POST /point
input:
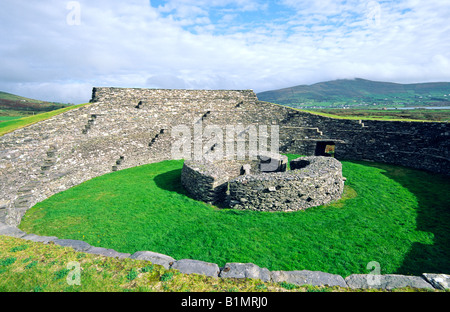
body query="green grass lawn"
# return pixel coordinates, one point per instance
(396, 216)
(420, 115)
(9, 118)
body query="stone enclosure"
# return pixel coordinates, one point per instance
(123, 128)
(264, 184)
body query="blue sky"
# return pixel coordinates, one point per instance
(58, 50)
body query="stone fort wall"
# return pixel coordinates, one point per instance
(123, 128)
(420, 145)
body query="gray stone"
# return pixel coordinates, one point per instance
(107, 252)
(154, 257)
(189, 266)
(317, 183)
(4, 203)
(247, 168)
(245, 270)
(314, 278)
(119, 125)
(40, 239)
(439, 281)
(12, 231)
(75, 244)
(388, 281)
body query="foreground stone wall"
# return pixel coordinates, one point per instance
(427, 281)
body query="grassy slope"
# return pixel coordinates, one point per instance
(428, 115)
(14, 105)
(13, 97)
(399, 218)
(11, 125)
(26, 266)
(360, 114)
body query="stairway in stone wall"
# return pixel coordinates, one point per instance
(49, 160)
(110, 136)
(89, 124)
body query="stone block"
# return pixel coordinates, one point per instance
(245, 270)
(314, 278)
(154, 257)
(388, 281)
(439, 281)
(40, 239)
(12, 231)
(107, 252)
(75, 244)
(189, 266)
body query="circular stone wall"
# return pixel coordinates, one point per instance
(312, 181)
(264, 184)
(207, 180)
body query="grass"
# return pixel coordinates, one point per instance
(396, 216)
(434, 115)
(49, 268)
(9, 118)
(441, 115)
(11, 125)
(27, 266)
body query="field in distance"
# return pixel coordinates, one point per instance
(13, 106)
(420, 114)
(360, 93)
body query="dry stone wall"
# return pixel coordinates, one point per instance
(123, 128)
(208, 180)
(427, 281)
(312, 181)
(421, 145)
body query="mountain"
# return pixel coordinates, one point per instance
(14, 105)
(360, 92)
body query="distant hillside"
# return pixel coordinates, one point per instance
(360, 92)
(14, 105)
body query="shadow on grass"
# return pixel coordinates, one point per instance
(433, 216)
(170, 181)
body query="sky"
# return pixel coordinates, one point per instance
(57, 50)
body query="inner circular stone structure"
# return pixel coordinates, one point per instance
(264, 183)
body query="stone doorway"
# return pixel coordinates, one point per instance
(325, 148)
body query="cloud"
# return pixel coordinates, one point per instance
(218, 44)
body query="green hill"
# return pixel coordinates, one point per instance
(14, 105)
(360, 93)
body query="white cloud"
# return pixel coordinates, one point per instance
(216, 44)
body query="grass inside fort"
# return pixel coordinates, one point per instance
(398, 217)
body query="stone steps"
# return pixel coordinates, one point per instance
(50, 160)
(89, 124)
